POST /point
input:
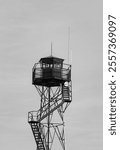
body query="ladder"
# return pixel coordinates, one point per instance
(37, 135)
(66, 94)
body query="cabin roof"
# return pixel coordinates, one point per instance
(51, 60)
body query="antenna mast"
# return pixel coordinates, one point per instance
(51, 49)
(68, 43)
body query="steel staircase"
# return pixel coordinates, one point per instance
(34, 121)
(66, 94)
(37, 135)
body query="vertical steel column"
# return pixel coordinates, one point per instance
(48, 116)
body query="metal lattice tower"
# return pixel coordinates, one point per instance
(52, 79)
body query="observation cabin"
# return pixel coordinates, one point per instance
(51, 71)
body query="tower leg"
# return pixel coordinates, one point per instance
(48, 116)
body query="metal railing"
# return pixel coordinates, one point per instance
(61, 73)
(33, 116)
(39, 115)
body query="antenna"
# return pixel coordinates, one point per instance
(68, 44)
(51, 49)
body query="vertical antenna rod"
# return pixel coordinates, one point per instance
(48, 118)
(68, 43)
(51, 49)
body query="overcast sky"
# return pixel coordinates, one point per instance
(27, 28)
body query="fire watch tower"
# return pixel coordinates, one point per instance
(52, 79)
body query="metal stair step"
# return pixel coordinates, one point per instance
(37, 135)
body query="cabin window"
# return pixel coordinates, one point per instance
(51, 65)
(40, 65)
(47, 65)
(57, 66)
(43, 65)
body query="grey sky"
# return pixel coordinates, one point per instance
(27, 28)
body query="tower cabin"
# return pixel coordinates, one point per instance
(51, 71)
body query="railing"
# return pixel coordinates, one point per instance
(46, 73)
(33, 116)
(39, 115)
